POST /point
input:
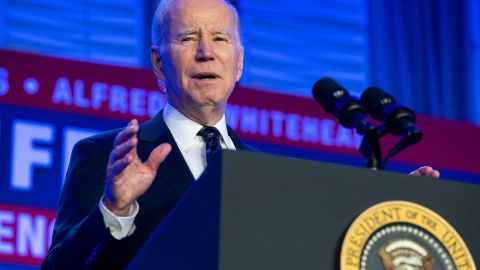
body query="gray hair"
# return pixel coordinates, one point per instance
(160, 24)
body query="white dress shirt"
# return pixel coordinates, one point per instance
(184, 131)
(192, 147)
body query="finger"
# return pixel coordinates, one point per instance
(126, 134)
(422, 171)
(158, 155)
(435, 174)
(119, 165)
(425, 170)
(428, 171)
(121, 150)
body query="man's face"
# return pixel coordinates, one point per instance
(202, 61)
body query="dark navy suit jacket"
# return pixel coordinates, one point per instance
(80, 238)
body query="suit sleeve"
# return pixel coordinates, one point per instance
(80, 237)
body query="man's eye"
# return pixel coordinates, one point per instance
(220, 39)
(186, 39)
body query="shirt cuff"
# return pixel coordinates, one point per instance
(120, 227)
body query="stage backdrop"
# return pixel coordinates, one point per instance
(47, 104)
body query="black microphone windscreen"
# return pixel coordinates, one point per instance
(373, 98)
(373, 94)
(323, 90)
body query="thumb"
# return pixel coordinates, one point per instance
(158, 155)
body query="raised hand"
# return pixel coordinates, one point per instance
(426, 171)
(127, 176)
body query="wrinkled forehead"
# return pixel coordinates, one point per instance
(208, 15)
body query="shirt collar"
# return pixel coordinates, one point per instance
(184, 129)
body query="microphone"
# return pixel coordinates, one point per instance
(383, 107)
(336, 100)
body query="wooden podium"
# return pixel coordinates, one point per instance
(257, 211)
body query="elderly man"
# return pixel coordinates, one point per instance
(121, 184)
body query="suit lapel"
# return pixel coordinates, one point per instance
(239, 145)
(236, 141)
(173, 170)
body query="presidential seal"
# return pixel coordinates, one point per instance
(400, 235)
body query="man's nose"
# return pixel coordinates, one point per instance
(205, 50)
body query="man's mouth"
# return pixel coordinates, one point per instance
(205, 76)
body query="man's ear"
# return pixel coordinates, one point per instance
(157, 63)
(240, 65)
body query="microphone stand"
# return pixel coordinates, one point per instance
(371, 149)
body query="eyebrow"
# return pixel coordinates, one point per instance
(195, 32)
(187, 33)
(225, 33)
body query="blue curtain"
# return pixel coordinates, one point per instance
(420, 53)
